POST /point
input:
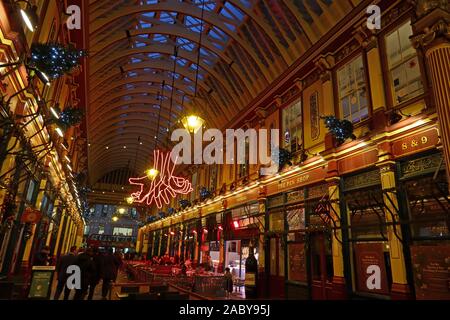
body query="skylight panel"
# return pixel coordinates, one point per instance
(235, 11)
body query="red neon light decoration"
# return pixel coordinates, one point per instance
(164, 186)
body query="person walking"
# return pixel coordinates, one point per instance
(64, 262)
(95, 276)
(228, 277)
(86, 264)
(42, 258)
(109, 271)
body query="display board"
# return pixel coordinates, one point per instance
(297, 262)
(431, 265)
(371, 268)
(41, 283)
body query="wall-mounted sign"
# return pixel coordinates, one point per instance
(431, 266)
(296, 181)
(417, 142)
(371, 268)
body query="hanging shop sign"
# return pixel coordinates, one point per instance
(297, 262)
(431, 266)
(371, 268)
(416, 142)
(31, 216)
(296, 181)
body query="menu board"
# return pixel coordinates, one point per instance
(41, 283)
(297, 262)
(431, 265)
(371, 268)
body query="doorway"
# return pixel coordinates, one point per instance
(321, 260)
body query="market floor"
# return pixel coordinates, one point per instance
(122, 278)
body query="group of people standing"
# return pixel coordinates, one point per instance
(94, 265)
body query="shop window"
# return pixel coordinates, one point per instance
(276, 221)
(428, 202)
(352, 90)
(403, 64)
(86, 230)
(292, 127)
(367, 213)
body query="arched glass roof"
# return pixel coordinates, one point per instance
(144, 57)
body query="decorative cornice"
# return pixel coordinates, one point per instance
(432, 24)
(441, 29)
(366, 37)
(325, 64)
(424, 7)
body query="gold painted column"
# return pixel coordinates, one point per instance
(400, 289)
(145, 240)
(139, 241)
(66, 235)
(60, 232)
(339, 290)
(432, 35)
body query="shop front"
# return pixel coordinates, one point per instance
(368, 245)
(425, 203)
(241, 234)
(299, 262)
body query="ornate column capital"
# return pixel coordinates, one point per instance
(325, 64)
(366, 38)
(432, 23)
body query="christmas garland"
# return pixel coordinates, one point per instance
(55, 59)
(341, 130)
(205, 193)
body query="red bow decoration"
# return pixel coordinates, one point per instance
(165, 184)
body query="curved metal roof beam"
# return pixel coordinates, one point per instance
(106, 98)
(117, 93)
(143, 78)
(167, 65)
(170, 6)
(211, 18)
(116, 109)
(150, 76)
(110, 133)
